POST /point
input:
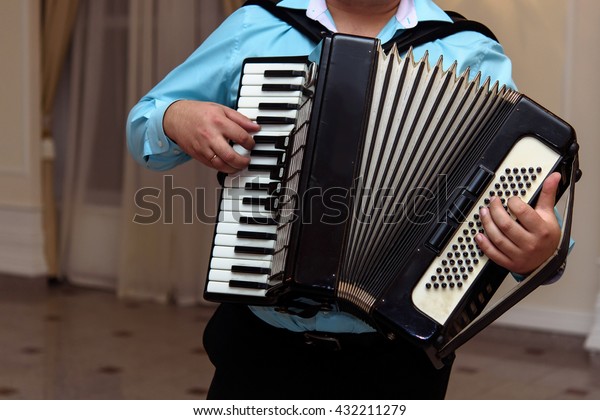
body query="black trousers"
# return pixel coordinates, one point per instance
(255, 361)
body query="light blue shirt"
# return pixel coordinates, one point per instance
(212, 74)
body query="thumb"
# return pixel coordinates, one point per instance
(241, 120)
(547, 198)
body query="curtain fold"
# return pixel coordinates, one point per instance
(121, 50)
(229, 6)
(58, 19)
(166, 261)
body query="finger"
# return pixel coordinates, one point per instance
(238, 135)
(221, 166)
(547, 198)
(240, 129)
(241, 120)
(501, 229)
(490, 250)
(228, 156)
(528, 218)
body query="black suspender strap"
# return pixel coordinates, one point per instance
(295, 17)
(422, 33)
(433, 30)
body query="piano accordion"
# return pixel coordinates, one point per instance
(365, 184)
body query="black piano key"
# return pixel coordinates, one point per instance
(280, 87)
(280, 142)
(254, 201)
(277, 106)
(248, 284)
(284, 73)
(246, 234)
(275, 171)
(253, 250)
(262, 139)
(279, 154)
(269, 221)
(271, 187)
(250, 270)
(283, 87)
(267, 153)
(268, 203)
(261, 120)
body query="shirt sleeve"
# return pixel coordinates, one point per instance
(472, 52)
(207, 75)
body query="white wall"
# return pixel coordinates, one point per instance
(21, 246)
(554, 46)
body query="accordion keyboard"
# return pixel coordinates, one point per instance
(450, 276)
(273, 95)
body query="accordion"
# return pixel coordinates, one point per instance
(364, 189)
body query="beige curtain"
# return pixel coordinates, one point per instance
(166, 261)
(229, 6)
(57, 24)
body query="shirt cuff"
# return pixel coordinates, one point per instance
(160, 152)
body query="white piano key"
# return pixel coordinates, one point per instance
(241, 181)
(242, 151)
(237, 207)
(259, 146)
(228, 263)
(272, 133)
(253, 113)
(254, 101)
(224, 288)
(228, 275)
(259, 80)
(229, 228)
(264, 160)
(235, 216)
(277, 127)
(232, 240)
(253, 174)
(259, 68)
(257, 91)
(229, 252)
(239, 193)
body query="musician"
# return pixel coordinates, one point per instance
(260, 353)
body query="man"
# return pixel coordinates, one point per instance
(258, 352)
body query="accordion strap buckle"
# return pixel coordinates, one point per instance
(322, 341)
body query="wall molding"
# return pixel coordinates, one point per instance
(22, 242)
(547, 320)
(592, 343)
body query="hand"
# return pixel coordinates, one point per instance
(521, 247)
(203, 131)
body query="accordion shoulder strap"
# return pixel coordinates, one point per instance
(424, 32)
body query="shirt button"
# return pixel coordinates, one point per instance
(160, 143)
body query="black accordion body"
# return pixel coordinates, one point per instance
(365, 184)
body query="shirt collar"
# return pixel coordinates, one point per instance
(409, 13)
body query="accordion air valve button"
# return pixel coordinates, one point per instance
(573, 149)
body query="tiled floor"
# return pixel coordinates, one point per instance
(70, 343)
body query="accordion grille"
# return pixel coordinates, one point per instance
(288, 199)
